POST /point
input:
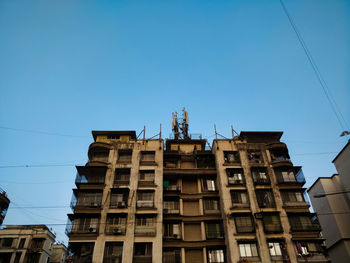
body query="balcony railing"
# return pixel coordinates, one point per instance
(144, 204)
(112, 259)
(121, 204)
(121, 182)
(99, 158)
(142, 259)
(146, 182)
(114, 229)
(272, 228)
(215, 234)
(86, 204)
(245, 229)
(172, 257)
(304, 227)
(261, 181)
(90, 179)
(234, 181)
(81, 229)
(145, 230)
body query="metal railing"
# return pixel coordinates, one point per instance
(145, 231)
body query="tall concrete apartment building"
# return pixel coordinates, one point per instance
(330, 197)
(180, 201)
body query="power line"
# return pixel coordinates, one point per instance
(318, 74)
(42, 132)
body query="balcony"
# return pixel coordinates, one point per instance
(279, 156)
(272, 228)
(171, 207)
(99, 152)
(120, 204)
(142, 259)
(255, 157)
(145, 204)
(115, 229)
(145, 230)
(172, 256)
(90, 175)
(82, 225)
(215, 234)
(260, 176)
(305, 227)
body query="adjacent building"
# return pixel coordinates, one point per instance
(25, 243)
(4, 204)
(330, 197)
(59, 253)
(182, 201)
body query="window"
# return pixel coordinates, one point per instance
(248, 250)
(239, 197)
(85, 225)
(18, 257)
(148, 156)
(81, 252)
(289, 196)
(89, 199)
(214, 230)
(21, 243)
(272, 223)
(145, 226)
(146, 177)
(124, 156)
(170, 185)
(260, 176)
(235, 176)
(216, 256)
(265, 198)
(119, 199)
(211, 204)
(305, 248)
(122, 176)
(144, 251)
(288, 176)
(254, 156)
(171, 255)
(275, 248)
(6, 242)
(231, 157)
(113, 252)
(303, 222)
(244, 224)
(209, 184)
(171, 206)
(172, 230)
(145, 199)
(116, 224)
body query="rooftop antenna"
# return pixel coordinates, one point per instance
(185, 123)
(175, 126)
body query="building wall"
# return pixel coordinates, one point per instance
(27, 232)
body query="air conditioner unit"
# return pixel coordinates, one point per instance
(117, 231)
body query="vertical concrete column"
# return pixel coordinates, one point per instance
(181, 206)
(183, 255)
(101, 238)
(201, 208)
(203, 236)
(260, 234)
(204, 255)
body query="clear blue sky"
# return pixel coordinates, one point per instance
(69, 67)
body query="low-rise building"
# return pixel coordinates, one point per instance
(25, 243)
(330, 197)
(59, 253)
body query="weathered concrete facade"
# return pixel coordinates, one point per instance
(25, 243)
(240, 200)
